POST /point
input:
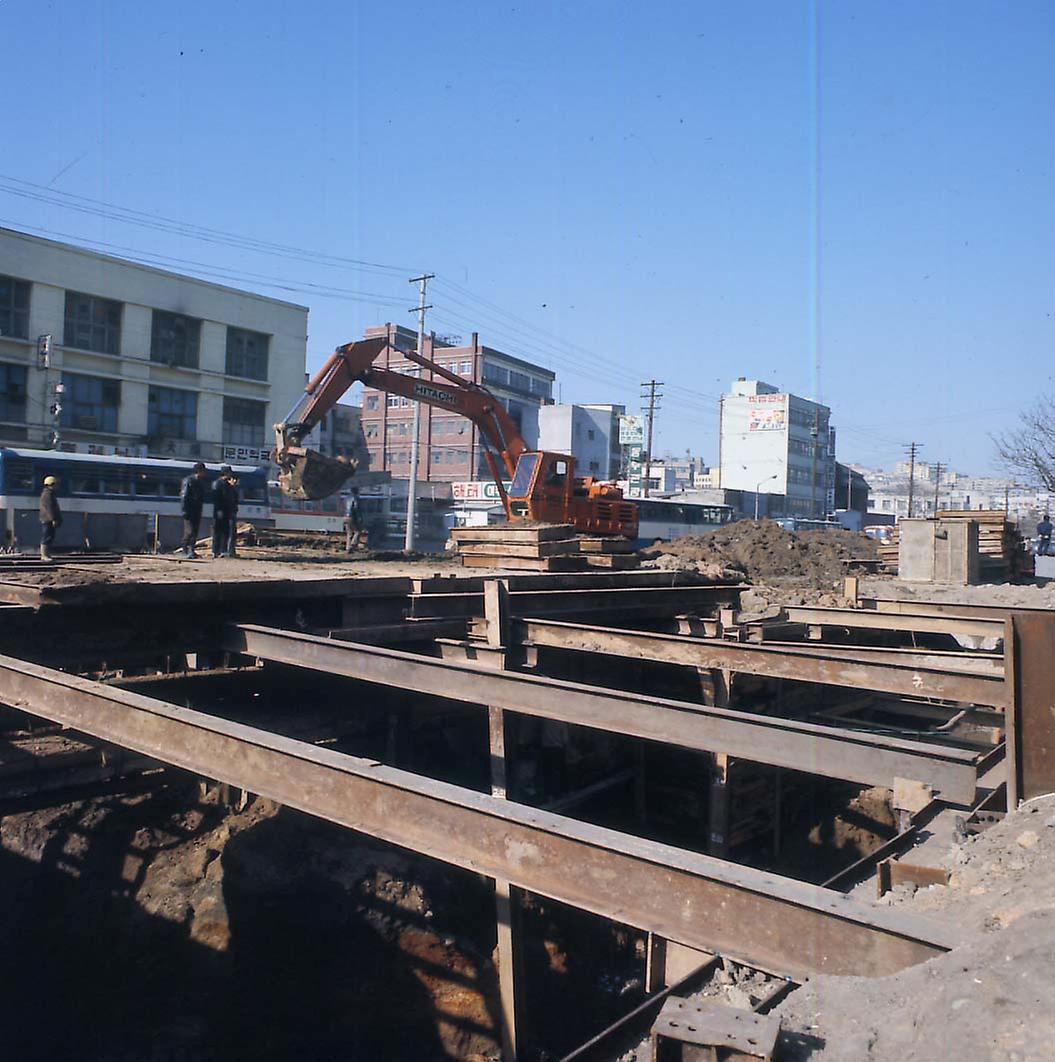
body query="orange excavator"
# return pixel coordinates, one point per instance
(543, 485)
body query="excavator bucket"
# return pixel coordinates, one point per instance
(307, 475)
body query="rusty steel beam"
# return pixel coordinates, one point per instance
(866, 619)
(699, 901)
(641, 600)
(950, 609)
(852, 755)
(974, 683)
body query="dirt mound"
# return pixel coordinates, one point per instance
(764, 552)
(991, 998)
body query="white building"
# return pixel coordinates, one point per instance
(140, 360)
(590, 433)
(775, 443)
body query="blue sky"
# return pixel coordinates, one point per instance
(691, 191)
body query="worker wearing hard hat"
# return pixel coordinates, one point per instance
(50, 516)
(224, 512)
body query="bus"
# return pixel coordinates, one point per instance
(667, 518)
(111, 502)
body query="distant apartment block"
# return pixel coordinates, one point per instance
(139, 360)
(450, 447)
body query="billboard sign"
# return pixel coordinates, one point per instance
(767, 419)
(631, 430)
(477, 490)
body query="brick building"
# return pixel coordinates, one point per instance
(450, 448)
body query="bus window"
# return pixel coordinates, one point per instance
(253, 492)
(18, 477)
(84, 483)
(522, 480)
(112, 484)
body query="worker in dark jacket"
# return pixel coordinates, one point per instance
(353, 522)
(224, 512)
(192, 501)
(50, 516)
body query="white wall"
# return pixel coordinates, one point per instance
(53, 268)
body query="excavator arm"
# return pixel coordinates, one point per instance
(307, 474)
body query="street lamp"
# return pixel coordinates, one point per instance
(758, 487)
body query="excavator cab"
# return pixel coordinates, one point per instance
(542, 487)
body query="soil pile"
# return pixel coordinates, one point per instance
(991, 998)
(765, 553)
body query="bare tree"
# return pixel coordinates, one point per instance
(1030, 448)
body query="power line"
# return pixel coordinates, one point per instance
(113, 212)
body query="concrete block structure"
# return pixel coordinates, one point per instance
(141, 360)
(450, 447)
(590, 433)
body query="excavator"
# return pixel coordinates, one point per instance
(543, 485)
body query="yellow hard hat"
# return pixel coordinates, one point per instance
(50, 481)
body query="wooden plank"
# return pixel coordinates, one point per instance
(560, 547)
(542, 564)
(606, 545)
(513, 533)
(615, 561)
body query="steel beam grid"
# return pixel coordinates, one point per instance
(833, 752)
(912, 675)
(697, 900)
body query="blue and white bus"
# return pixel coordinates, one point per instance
(668, 518)
(110, 502)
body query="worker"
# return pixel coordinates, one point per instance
(353, 522)
(1043, 536)
(224, 512)
(192, 501)
(50, 516)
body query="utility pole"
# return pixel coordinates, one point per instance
(815, 433)
(912, 449)
(650, 413)
(412, 485)
(938, 469)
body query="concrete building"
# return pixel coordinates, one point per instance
(590, 433)
(450, 447)
(140, 360)
(780, 446)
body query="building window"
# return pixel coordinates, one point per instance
(542, 388)
(14, 308)
(172, 414)
(243, 422)
(465, 368)
(590, 434)
(247, 353)
(495, 374)
(13, 393)
(520, 381)
(372, 401)
(93, 323)
(90, 402)
(175, 340)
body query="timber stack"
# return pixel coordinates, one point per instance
(541, 548)
(1003, 556)
(1002, 553)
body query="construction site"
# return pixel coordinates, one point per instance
(737, 803)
